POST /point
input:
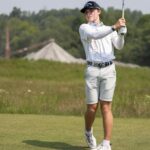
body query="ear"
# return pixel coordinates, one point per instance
(99, 11)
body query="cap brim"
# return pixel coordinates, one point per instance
(84, 9)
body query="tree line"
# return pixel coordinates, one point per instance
(27, 28)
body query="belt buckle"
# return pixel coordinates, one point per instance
(98, 65)
(104, 64)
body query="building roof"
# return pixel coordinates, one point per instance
(53, 52)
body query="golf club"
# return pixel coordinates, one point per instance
(123, 30)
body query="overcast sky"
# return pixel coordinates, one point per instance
(6, 6)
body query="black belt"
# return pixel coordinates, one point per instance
(100, 65)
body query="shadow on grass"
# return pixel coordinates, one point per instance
(54, 145)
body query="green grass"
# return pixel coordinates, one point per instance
(42, 87)
(43, 132)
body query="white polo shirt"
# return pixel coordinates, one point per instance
(99, 42)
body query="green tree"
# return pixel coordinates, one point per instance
(16, 12)
(144, 50)
(23, 33)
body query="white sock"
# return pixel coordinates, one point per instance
(106, 142)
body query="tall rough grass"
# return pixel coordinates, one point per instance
(44, 87)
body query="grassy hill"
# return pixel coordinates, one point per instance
(55, 88)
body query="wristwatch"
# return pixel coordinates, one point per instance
(112, 27)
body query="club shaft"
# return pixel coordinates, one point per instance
(123, 8)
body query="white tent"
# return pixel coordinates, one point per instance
(53, 52)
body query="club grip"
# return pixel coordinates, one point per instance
(123, 30)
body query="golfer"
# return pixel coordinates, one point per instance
(99, 42)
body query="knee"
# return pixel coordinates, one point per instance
(92, 108)
(106, 108)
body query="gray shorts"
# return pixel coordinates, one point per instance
(100, 83)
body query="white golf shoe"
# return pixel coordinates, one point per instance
(91, 141)
(103, 147)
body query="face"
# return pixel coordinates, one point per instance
(92, 15)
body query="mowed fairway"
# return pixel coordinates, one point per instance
(43, 132)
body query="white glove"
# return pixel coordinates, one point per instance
(122, 30)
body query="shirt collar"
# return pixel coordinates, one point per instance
(94, 24)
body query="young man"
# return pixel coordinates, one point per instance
(99, 42)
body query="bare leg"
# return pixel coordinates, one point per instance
(90, 116)
(107, 119)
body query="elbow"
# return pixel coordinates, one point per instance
(119, 44)
(120, 47)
